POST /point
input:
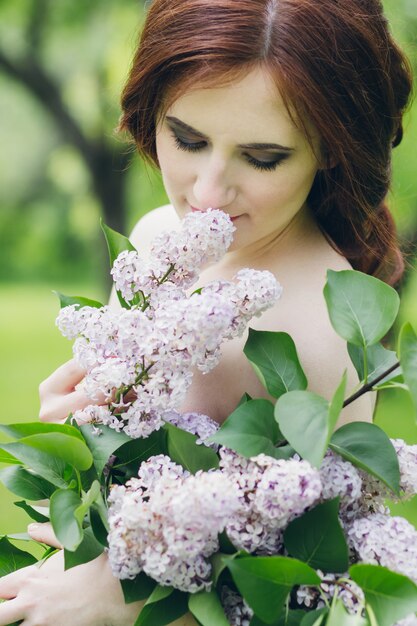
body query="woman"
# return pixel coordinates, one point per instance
(282, 113)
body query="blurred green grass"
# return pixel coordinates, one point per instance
(32, 347)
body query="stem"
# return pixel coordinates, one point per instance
(365, 366)
(162, 280)
(344, 586)
(368, 386)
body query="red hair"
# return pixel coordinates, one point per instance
(334, 63)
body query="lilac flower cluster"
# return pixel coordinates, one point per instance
(373, 536)
(272, 492)
(141, 360)
(196, 423)
(384, 540)
(237, 611)
(166, 523)
(203, 238)
(347, 590)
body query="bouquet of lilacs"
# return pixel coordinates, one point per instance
(274, 517)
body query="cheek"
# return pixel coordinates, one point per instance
(171, 164)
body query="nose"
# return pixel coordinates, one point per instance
(213, 186)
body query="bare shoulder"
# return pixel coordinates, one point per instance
(152, 224)
(302, 313)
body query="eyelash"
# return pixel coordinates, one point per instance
(263, 166)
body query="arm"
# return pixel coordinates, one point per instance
(49, 595)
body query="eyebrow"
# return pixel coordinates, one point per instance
(249, 146)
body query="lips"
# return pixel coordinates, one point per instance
(195, 210)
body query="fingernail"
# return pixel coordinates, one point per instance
(32, 528)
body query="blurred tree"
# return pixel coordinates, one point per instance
(32, 58)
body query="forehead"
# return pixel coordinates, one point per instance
(248, 109)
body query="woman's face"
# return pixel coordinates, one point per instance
(235, 148)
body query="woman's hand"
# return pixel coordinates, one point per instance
(85, 595)
(61, 393)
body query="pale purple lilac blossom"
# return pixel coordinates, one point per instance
(195, 423)
(166, 523)
(237, 611)
(272, 493)
(152, 348)
(383, 540)
(351, 594)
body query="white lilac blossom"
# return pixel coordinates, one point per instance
(349, 592)
(141, 359)
(203, 238)
(175, 256)
(237, 611)
(252, 292)
(340, 478)
(383, 540)
(272, 493)
(407, 459)
(196, 423)
(166, 523)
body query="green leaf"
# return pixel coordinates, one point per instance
(362, 308)
(33, 513)
(391, 596)
(87, 500)
(250, 429)
(245, 398)
(317, 538)
(25, 484)
(67, 528)
(116, 243)
(307, 421)
(68, 300)
(160, 592)
(52, 468)
(265, 582)
(138, 588)
(71, 450)
(288, 618)
(98, 525)
(207, 608)
(338, 616)
(368, 447)
(315, 618)
(137, 450)
(88, 550)
(102, 446)
(182, 449)
(25, 429)
(336, 405)
(379, 360)
(274, 358)
(218, 565)
(12, 559)
(165, 611)
(408, 359)
(9, 459)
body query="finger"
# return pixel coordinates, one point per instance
(63, 379)
(58, 407)
(44, 533)
(11, 611)
(12, 583)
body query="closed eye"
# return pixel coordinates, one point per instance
(195, 146)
